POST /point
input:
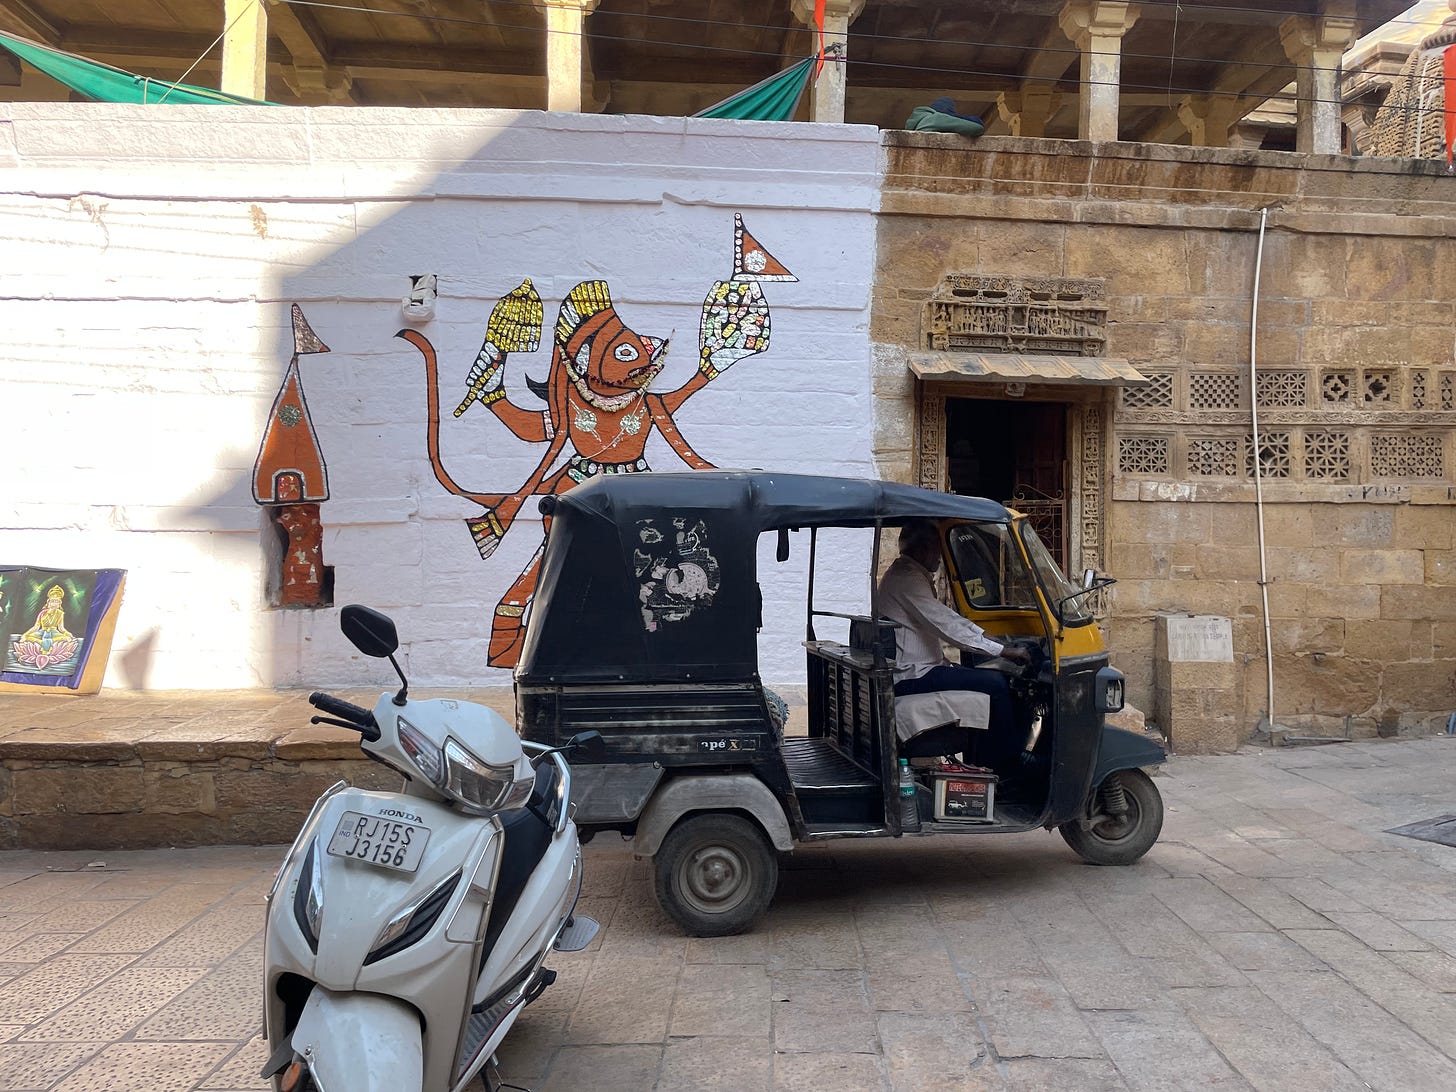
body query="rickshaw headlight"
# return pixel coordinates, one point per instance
(1110, 687)
(478, 784)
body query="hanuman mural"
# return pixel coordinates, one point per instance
(600, 407)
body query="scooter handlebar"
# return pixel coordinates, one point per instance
(361, 718)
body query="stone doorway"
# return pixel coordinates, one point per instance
(1016, 453)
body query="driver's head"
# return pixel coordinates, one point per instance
(920, 540)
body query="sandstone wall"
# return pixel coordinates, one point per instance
(1356, 396)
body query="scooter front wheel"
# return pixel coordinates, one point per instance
(1118, 837)
(716, 874)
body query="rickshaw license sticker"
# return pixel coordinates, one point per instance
(376, 840)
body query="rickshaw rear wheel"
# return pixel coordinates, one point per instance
(715, 874)
(1109, 839)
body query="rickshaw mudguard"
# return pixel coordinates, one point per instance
(731, 792)
(1124, 750)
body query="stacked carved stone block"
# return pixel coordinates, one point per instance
(1195, 678)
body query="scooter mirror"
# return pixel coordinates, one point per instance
(369, 631)
(588, 745)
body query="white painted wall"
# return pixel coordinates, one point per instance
(150, 257)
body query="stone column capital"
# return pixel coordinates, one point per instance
(1208, 118)
(848, 10)
(1306, 37)
(586, 7)
(1083, 20)
(1027, 111)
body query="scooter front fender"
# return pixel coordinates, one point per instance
(354, 1042)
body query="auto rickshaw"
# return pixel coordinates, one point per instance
(643, 627)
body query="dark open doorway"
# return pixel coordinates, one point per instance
(1015, 453)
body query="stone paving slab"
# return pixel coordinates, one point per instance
(1276, 938)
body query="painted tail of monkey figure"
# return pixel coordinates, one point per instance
(598, 398)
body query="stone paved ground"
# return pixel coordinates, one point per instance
(1276, 938)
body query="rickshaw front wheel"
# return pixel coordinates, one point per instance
(1118, 837)
(715, 874)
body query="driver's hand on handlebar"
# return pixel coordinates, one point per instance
(1016, 654)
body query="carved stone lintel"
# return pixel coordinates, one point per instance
(974, 313)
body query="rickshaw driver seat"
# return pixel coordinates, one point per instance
(940, 723)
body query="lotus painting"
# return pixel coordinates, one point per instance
(51, 622)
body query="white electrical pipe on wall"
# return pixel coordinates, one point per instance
(1258, 469)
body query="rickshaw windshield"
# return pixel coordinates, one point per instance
(1075, 612)
(990, 568)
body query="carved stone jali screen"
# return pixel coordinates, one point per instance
(1331, 426)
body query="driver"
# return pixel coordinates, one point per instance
(907, 596)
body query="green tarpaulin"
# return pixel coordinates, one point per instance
(102, 83)
(773, 99)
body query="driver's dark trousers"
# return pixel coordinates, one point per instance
(1002, 744)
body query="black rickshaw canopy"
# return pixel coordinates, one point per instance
(652, 577)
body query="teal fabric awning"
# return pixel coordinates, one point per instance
(102, 83)
(773, 99)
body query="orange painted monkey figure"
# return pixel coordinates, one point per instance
(598, 401)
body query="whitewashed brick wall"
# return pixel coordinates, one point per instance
(150, 257)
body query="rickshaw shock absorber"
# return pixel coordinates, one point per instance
(1113, 796)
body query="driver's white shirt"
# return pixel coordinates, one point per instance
(907, 596)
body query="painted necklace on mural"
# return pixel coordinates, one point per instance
(586, 420)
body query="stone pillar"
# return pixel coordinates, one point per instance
(245, 48)
(1027, 111)
(565, 33)
(1193, 675)
(1316, 44)
(1097, 28)
(827, 98)
(1209, 118)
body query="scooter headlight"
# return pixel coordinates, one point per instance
(478, 784)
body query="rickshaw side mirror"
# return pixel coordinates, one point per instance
(782, 553)
(1088, 577)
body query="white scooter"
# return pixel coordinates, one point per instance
(407, 930)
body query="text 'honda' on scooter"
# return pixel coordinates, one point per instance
(407, 930)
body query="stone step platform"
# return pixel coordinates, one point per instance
(126, 770)
(129, 770)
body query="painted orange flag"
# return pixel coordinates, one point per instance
(1448, 72)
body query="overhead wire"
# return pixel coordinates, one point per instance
(1279, 96)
